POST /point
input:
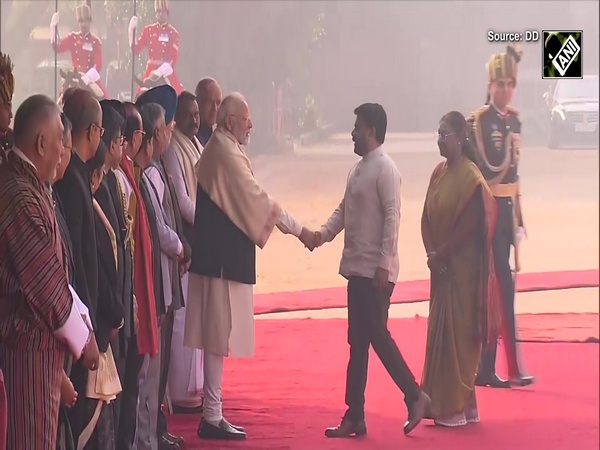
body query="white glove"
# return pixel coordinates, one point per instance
(132, 26)
(53, 27)
(92, 75)
(54, 21)
(520, 235)
(164, 70)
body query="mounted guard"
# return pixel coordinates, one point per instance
(162, 40)
(86, 53)
(7, 89)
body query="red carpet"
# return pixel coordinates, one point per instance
(294, 387)
(415, 291)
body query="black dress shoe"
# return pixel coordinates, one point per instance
(347, 428)
(165, 444)
(492, 381)
(417, 411)
(237, 427)
(172, 438)
(522, 381)
(223, 431)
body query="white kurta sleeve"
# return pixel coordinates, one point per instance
(288, 225)
(74, 332)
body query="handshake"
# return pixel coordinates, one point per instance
(311, 239)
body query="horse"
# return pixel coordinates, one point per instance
(150, 82)
(72, 79)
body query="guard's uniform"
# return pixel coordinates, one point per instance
(7, 89)
(162, 41)
(497, 140)
(86, 50)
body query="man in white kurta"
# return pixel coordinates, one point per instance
(186, 376)
(220, 315)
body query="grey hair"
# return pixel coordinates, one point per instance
(229, 106)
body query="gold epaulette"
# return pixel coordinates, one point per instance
(473, 120)
(512, 110)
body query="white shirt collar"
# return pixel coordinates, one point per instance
(21, 155)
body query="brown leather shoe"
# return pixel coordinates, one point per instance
(347, 428)
(416, 412)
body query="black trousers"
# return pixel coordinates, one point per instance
(367, 325)
(166, 336)
(502, 242)
(129, 396)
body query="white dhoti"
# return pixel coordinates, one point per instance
(220, 320)
(186, 375)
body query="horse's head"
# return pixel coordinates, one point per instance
(72, 78)
(151, 81)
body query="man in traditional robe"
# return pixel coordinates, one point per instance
(185, 372)
(209, 97)
(233, 216)
(74, 190)
(85, 48)
(173, 247)
(37, 311)
(144, 339)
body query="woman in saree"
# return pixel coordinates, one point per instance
(103, 385)
(457, 226)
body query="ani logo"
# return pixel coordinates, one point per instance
(562, 54)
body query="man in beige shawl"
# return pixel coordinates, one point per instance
(185, 373)
(233, 216)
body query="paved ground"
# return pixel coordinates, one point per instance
(560, 206)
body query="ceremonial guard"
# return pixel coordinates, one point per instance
(162, 40)
(7, 89)
(496, 135)
(85, 48)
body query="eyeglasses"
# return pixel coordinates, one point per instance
(119, 140)
(100, 129)
(442, 136)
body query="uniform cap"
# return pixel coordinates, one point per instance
(7, 79)
(504, 65)
(83, 12)
(165, 96)
(161, 4)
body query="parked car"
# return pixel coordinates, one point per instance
(573, 106)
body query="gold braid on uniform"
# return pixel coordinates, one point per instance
(127, 217)
(7, 79)
(479, 144)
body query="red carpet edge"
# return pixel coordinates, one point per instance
(415, 291)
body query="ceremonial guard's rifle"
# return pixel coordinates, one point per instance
(132, 46)
(55, 56)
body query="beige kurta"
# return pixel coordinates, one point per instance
(233, 303)
(220, 313)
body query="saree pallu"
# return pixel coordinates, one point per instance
(464, 310)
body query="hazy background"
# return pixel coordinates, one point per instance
(419, 59)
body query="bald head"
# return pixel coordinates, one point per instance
(234, 116)
(33, 115)
(209, 97)
(85, 113)
(83, 110)
(38, 133)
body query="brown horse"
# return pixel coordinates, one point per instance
(72, 78)
(150, 82)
